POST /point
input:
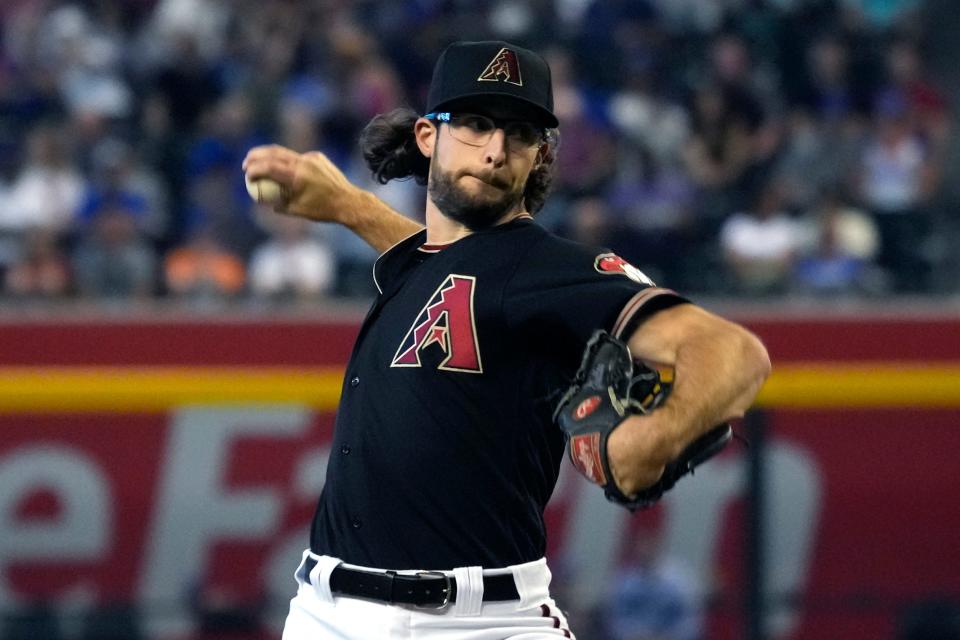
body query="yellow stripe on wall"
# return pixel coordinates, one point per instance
(133, 389)
(863, 385)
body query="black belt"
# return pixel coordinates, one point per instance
(428, 589)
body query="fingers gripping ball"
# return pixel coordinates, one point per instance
(608, 388)
(267, 191)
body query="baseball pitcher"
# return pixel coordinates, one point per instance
(492, 346)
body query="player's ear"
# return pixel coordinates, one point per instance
(425, 133)
(542, 154)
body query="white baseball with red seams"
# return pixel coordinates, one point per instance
(266, 190)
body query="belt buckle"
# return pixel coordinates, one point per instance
(446, 591)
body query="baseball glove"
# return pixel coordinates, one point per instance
(607, 389)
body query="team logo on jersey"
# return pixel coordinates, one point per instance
(585, 454)
(612, 263)
(504, 66)
(446, 322)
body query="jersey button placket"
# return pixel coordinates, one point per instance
(355, 381)
(345, 449)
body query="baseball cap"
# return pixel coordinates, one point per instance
(493, 69)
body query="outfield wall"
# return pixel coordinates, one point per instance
(149, 461)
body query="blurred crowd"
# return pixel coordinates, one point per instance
(737, 147)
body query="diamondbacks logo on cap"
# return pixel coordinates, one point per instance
(504, 66)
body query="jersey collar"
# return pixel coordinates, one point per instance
(438, 247)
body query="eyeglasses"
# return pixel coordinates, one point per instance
(476, 130)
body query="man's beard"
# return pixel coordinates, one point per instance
(473, 212)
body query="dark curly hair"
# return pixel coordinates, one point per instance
(391, 153)
(390, 149)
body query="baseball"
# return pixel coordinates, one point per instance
(266, 191)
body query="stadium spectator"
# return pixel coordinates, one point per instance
(844, 241)
(588, 161)
(649, 119)
(898, 175)
(654, 202)
(113, 261)
(809, 160)
(832, 93)
(183, 76)
(719, 152)
(42, 271)
(926, 104)
(373, 89)
(354, 257)
(162, 149)
(49, 188)
(88, 46)
(732, 88)
(202, 21)
(653, 597)
(202, 271)
(760, 244)
(118, 176)
(217, 196)
(292, 265)
(750, 86)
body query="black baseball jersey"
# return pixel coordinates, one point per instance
(444, 452)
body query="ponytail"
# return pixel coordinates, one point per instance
(390, 149)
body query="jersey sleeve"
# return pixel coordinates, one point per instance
(564, 290)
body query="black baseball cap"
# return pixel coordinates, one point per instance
(467, 72)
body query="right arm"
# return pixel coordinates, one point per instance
(319, 191)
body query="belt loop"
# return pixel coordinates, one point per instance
(532, 580)
(469, 591)
(300, 574)
(391, 575)
(320, 577)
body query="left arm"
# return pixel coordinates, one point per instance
(719, 368)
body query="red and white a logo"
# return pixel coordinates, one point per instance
(504, 66)
(612, 263)
(448, 321)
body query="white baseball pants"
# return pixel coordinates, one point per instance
(317, 614)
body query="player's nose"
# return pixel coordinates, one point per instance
(495, 151)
